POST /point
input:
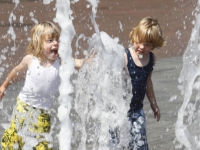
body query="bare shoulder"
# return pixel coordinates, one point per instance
(154, 58)
(125, 58)
(27, 60)
(125, 55)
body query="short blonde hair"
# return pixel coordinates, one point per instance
(38, 34)
(148, 30)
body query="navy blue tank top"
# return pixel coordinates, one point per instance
(139, 76)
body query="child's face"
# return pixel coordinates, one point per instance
(50, 48)
(142, 48)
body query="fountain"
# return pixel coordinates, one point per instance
(89, 106)
(98, 87)
(188, 125)
(100, 99)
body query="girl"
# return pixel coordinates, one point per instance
(30, 121)
(139, 59)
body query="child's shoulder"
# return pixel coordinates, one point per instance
(27, 59)
(29, 56)
(153, 57)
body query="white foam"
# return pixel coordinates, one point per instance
(187, 125)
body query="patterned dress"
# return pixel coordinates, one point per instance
(139, 77)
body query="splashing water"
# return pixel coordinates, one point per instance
(99, 96)
(99, 101)
(188, 122)
(11, 36)
(67, 68)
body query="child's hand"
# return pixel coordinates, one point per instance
(156, 111)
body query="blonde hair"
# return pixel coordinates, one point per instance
(148, 30)
(38, 34)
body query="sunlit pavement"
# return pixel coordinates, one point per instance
(175, 18)
(161, 135)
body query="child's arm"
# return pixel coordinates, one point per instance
(126, 73)
(14, 74)
(152, 99)
(79, 62)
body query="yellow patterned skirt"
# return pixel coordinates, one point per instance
(29, 129)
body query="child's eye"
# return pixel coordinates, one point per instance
(147, 44)
(52, 40)
(49, 41)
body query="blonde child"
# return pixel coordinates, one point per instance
(139, 59)
(30, 121)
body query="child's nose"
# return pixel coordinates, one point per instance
(141, 45)
(55, 42)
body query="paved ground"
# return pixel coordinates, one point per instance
(161, 135)
(174, 16)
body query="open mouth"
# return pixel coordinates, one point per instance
(54, 51)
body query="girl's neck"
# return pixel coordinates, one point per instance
(140, 56)
(141, 62)
(44, 62)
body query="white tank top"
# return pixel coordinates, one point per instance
(41, 85)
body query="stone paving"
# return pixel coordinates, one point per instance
(175, 16)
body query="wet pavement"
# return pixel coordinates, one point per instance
(175, 17)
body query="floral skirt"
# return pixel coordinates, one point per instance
(138, 131)
(29, 129)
